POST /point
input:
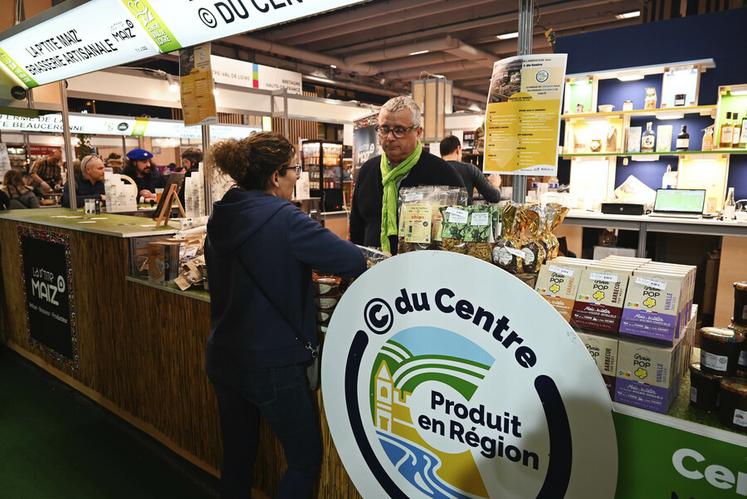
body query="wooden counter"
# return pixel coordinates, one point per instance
(140, 349)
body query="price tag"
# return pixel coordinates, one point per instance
(457, 216)
(480, 219)
(604, 277)
(651, 283)
(562, 271)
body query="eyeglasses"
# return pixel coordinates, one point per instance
(298, 169)
(398, 131)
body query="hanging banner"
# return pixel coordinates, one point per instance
(435, 385)
(197, 88)
(47, 284)
(120, 126)
(522, 120)
(252, 75)
(365, 141)
(103, 33)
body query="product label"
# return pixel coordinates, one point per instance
(411, 197)
(742, 358)
(726, 135)
(480, 219)
(562, 271)
(713, 361)
(528, 256)
(457, 216)
(744, 313)
(651, 283)
(596, 317)
(648, 142)
(683, 143)
(599, 276)
(648, 324)
(515, 252)
(417, 223)
(693, 395)
(740, 418)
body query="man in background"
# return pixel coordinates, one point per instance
(451, 151)
(46, 173)
(405, 163)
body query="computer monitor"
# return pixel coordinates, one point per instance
(684, 201)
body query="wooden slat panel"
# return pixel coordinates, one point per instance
(142, 357)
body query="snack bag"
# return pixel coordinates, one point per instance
(506, 253)
(529, 241)
(420, 216)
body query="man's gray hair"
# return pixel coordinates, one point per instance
(404, 103)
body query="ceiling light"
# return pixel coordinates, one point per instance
(629, 15)
(630, 77)
(321, 80)
(418, 52)
(508, 36)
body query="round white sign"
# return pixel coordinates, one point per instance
(445, 376)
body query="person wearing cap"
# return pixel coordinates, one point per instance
(140, 169)
(89, 183)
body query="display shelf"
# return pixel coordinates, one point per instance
(197, 294)
(702, 110)
(644, 154)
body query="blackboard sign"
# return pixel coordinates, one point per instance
(48, 288)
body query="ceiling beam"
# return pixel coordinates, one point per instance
(561, 6)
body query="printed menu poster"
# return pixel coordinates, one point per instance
(196, 81)
(522, 121)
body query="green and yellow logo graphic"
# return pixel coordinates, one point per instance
(436, 357)
(649, 302)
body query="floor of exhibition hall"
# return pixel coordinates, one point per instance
(57, 444)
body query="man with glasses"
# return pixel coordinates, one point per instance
(89, 183)
(405, 163)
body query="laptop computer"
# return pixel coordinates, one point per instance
(679, 203)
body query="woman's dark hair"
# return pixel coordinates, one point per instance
(250, 162)
(14, 183)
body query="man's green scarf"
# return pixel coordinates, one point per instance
(389, 179)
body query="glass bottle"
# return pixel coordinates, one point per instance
(743, 135)
(648, 138)
(727, 131)
(736, 132)
(730, 207)
(683, 139)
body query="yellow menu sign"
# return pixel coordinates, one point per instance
(196, 82)
(522, 121)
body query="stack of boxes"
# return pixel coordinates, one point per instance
(636, 318)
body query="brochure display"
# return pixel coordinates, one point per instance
(196, 82)
(522, 121)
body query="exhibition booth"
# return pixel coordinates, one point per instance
(600, 339)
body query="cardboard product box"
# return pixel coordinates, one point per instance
(690, 271)
(626, 259)
(654, 307)
(163, 261)
(648, 376)
(558, 284)
(603, 349)
(600, 298)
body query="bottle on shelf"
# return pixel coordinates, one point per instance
(669, 179)
(727, 131)
(683, 139)
(736, 133)
(743, 135)
(648, 138)
(730, 207)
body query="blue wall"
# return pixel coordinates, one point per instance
(714, 36)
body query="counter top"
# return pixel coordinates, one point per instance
(170, 287)
(108, 224)
(706, 226)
